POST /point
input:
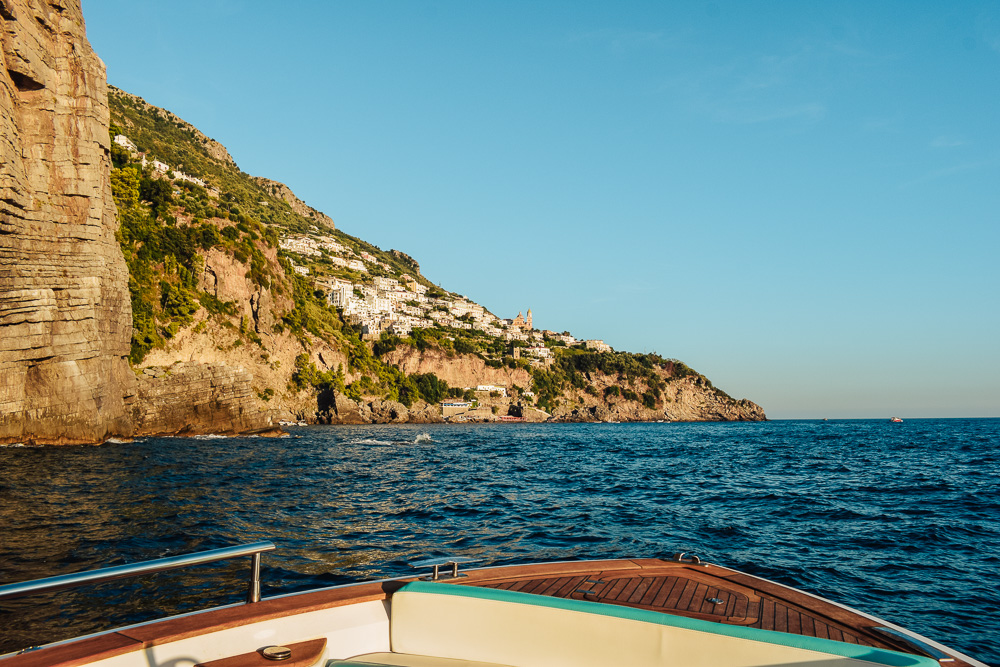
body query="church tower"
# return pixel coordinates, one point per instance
(527, 320)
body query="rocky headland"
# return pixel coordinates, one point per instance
(148, 286)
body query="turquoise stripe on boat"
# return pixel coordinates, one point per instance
(842, 649)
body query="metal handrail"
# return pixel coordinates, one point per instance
(64, 581)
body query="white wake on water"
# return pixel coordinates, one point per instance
(371, 441)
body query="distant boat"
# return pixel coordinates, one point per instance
(896, 420)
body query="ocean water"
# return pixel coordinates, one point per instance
(899, 520)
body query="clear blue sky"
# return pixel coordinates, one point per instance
(799, 200)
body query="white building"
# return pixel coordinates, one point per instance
(387, 284)
(341, 295)
(299, 244)
(401, 327)
(597, 345)
(327, 243)
(379, 304)
(125, 143)
(181, 176)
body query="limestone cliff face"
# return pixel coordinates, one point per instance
(191, 399)
(459, 370)
(65, 317)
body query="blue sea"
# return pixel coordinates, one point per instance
(899, 520)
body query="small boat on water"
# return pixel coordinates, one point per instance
(655, 612)
(896, 420)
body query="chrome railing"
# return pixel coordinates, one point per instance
(64, 581)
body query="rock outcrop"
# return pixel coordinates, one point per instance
(192, 399)
(406, 259)
(283, 192)
(685, 399)
(342, 410)
(65, 315)
(458, 370)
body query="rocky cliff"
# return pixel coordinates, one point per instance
(458, 370)
(192, 399)
(596, 396)
(65, 313)
(65, 317)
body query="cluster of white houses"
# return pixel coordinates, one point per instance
(336, 253)
(400, 305)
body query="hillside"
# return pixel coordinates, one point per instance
(235, 271)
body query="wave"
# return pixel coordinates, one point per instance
(371, 441)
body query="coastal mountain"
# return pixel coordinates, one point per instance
(335, 329)
(150, 286)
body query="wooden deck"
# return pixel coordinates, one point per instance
(700, 591)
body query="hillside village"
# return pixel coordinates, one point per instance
(399, 305)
